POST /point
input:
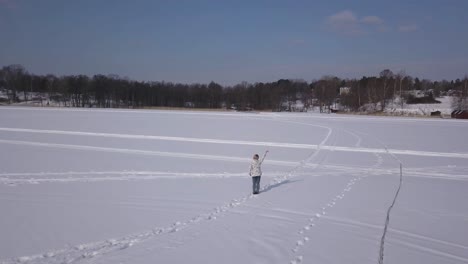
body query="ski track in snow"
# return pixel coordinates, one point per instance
(298, 258)
(313, 221)
(161, 138)
(216, 141)
(89, 251)
(13, 179)
(401, 233)
(428, 250)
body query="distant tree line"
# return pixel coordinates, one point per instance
(112, 91)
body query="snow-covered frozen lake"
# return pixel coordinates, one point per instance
(134, 186)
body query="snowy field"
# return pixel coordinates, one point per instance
(122, 186)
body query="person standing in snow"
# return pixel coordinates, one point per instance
(256, 172)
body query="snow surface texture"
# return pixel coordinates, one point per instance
(121, 186)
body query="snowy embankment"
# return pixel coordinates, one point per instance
(119, 186)
(445, 108)
(393, 108)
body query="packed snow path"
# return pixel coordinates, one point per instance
(116, 186)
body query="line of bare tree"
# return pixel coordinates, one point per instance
(112, 91)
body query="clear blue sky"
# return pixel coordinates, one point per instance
(199, 41)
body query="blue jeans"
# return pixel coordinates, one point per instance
(256, 184)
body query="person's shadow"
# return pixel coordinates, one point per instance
(276, 185)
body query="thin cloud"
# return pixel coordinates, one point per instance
(372, 20)
(345, 22)
(408, 28)
(343, 17)
(348, 23)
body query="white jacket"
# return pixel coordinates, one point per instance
(255, 167)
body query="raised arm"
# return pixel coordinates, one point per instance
(264, 155)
